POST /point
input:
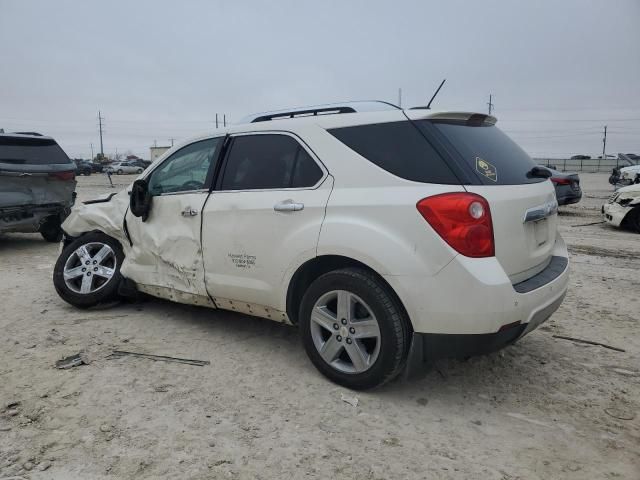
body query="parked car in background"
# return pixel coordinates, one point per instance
(623, 208)
(567, 186)
(581, 157)
(121, 168)
(37, 185)
(96, 167)
(391, 237)
(83, 168)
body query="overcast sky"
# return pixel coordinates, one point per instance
(558, 70)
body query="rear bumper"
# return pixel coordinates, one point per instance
(567, 196)
(429, 347)
(28, 218)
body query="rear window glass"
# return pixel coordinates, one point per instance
(399, 148)
(491, 154)
(31, 151)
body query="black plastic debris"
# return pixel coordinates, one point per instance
(72, 361)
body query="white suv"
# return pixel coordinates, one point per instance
(391, 237)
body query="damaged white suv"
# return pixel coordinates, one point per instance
(390, 237)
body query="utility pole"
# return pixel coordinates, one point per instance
(92, 152)
(604, 144)
(224, 119)
(400, 97)
(490, 103)
(100, 124)
(171, 140)
(216, 120)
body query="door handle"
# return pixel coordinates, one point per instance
(189, 212)
(288, 206)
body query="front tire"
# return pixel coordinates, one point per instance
(354, 329)
(87, 272)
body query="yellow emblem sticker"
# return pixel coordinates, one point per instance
(486, 169)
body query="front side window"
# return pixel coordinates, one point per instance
(258, 162)
(185, 170)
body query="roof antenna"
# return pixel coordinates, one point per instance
(434, 95)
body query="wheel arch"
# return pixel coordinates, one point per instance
(317, 266)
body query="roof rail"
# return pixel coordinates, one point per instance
(327, 109)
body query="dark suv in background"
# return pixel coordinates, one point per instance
(37, 185)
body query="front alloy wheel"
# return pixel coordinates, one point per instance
(88, 270)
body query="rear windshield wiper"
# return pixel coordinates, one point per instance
(539, 173)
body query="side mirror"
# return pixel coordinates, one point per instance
(140, 200)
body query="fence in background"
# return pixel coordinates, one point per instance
(587, 165)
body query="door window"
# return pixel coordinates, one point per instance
(258, 162)
(185, 170)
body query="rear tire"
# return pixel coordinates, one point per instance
(85, 284)
(344, 343)
(51, 230)
(119, 172)
(139, 171)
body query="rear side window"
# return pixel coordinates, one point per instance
(491, 154)
(399, 148)
(31, 151)
(268, 162)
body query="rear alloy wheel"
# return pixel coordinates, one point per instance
(119, 172)
(88, 270)
(353, 328)
(139, 171)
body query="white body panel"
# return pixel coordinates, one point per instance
(249, 247)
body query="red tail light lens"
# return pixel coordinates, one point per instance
(70, 175)
(561, 181)
(463, 220)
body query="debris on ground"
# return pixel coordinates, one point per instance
(73, 361)
(353, 401)
(589, 342)
(160, 358)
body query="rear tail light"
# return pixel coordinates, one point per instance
(561, 181)
(463, 220)
(69, 175)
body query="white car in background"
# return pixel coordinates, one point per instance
(390, 237)
(121, 168)
(623, 208)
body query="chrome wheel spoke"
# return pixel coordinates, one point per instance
(87, 282)
(83, 254)
(70, 274)
(330, 349)
(344, 305)
(366, 329)
(358, 356)
(323, 317)
(104, 272)
(102, 253)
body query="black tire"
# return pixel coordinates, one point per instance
(50, 229)
(107, 292)
(632, 220)
(392, 320)
(119, 172)
(139, 171)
